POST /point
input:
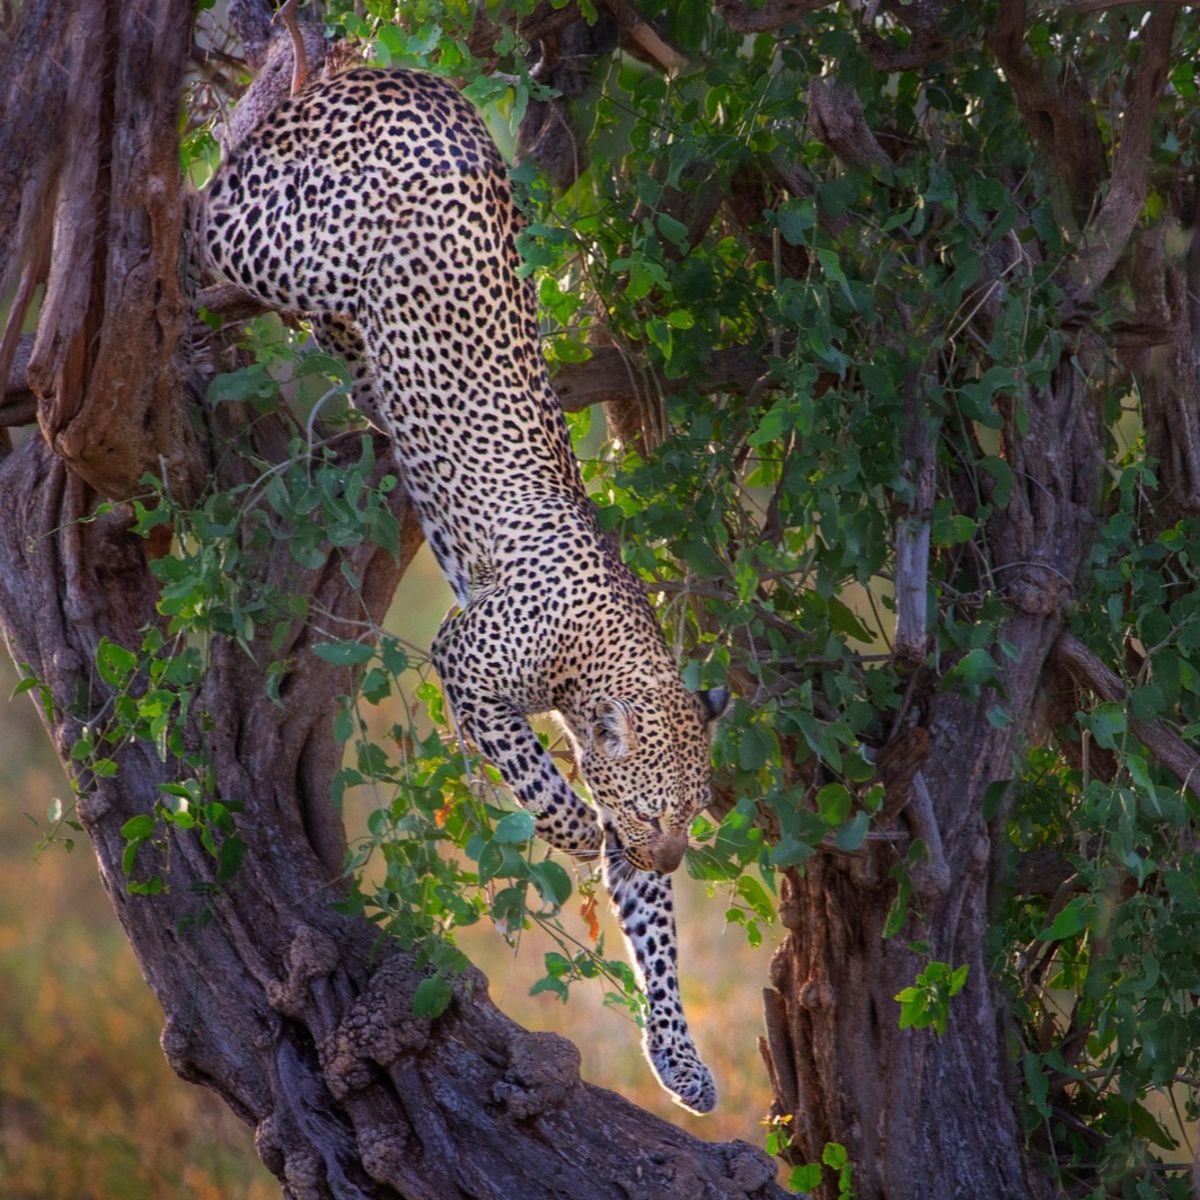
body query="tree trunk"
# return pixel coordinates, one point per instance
(923, 1115)
(292, 1013)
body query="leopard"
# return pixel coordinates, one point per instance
(376, 202)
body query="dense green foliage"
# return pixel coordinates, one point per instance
(708, 216)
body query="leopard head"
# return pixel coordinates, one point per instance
(645, 757)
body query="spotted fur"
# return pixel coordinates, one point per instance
(377, 202)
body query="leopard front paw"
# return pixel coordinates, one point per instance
(681, 1072)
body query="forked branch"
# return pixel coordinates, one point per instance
(1108, 234)
(1162, 741)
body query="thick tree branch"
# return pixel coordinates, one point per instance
(1166, 745)
(1040, 873)
(914, 522)
(608, 377)
(236, 304)
(36, 73)
(547, 133)
(546, 20)
(1058, 114)
(644, 35)
(746, 18)
(290, 1011)
(1166, 289)
(252, 22)
(927, 44)
(1109, 233)
(836, 115)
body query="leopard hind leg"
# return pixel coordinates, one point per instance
(645, 908)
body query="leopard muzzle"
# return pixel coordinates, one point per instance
(667, 849)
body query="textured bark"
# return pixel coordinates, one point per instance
(1167, 290)
(99, 223)
(922, 1115)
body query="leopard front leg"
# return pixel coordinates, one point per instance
(561, 817)
(645, 910)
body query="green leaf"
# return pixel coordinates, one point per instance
(676, 232)
(1037, 1084)
(755, 747)
(344, 654)
(953, 530)
(993, 797)
(975, 669)
(790, 852)
(114, 662)
(249, 383)
(806, 1178)
(514, 828)
(833, 268)
(431, 998)
(1073, 918)
(1146, 1126)
(845, 621)
(552, 882)
(852, 834)
(755, 895)
(395, 657)
(344, 725)
(549, 984)
(491, 859)
(897, 912)
(834, 803)
(138, 828)
(795, 219)
(1001, 474)
(834, 1155)
(1107, 722)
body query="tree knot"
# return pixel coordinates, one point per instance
(384, 1150)
(378, 1029)
(176, 1047)
(92, 807)
(543, 1068)
(312, 955)
(268, 1141)
(1038, 592)
(305, 1175)
(748, 1167)
(816, 995)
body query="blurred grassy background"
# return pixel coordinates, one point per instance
(89, 1110)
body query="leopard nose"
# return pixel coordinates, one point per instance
(667, 850)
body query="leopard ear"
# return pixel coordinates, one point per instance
(613, 732)
(714, 701)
